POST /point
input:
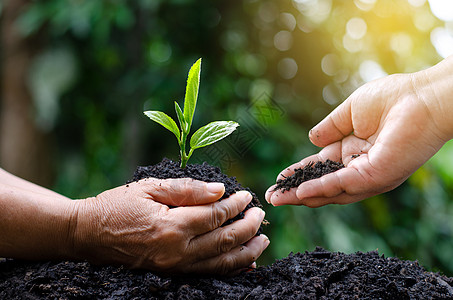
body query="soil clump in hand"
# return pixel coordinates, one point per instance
(204, 172)
(311, 171)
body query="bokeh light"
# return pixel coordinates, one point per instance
(330, 64)
(356, 28)
(370, 70)
(442, 39)
(365, 5)
(287, 68)
(417, 3)
(283, 40)
(401, 43)
(442, 9)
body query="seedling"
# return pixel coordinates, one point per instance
(206, 135)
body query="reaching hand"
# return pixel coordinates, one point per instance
(382, 133)
(134, 225)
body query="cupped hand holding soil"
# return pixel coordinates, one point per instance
(382, 133)
(134, 225)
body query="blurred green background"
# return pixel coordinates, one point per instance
(90, 68)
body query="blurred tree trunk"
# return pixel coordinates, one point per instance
(24, 149)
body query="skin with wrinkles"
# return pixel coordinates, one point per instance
(372, 133)
(178, 240)
(133, 225)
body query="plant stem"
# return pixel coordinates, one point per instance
(182, 146)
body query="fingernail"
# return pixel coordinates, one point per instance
(267, 241)
(245, 194)
(215, 187)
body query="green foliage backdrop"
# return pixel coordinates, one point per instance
(276, 67)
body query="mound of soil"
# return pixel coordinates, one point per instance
(310, 171)
(204, 172)
(311, 275)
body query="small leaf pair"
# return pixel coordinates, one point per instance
(204, 136)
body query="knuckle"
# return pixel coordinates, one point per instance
(166, 262)
(228, 241)
(219, 214)
(226, 264)
(190, 190)
(309, 203)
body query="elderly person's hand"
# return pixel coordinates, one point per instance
(382, 133)
(171, 225)
(134, 225)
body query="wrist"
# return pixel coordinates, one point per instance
(434, 87)
(83, 231)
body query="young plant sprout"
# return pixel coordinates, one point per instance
(204, 136)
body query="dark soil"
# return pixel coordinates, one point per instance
(310, 171)
(310, 275)
(204, 172)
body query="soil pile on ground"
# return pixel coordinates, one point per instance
(311, 171)
(310, 275)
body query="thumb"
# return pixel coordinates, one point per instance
(184, 191)
(334, 127)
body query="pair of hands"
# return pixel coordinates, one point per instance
(382, 133)
(134, 225)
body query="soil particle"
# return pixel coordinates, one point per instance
(311, 171)
(311, 275)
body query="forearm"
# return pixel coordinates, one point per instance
(35, 225)
(16, 182)
(435, 87)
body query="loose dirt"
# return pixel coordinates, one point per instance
(310, 275)
(319, 274)
(311, 171)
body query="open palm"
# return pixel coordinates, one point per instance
(383, 133)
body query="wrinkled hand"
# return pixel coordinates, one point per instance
(383, 132)
(133, 225)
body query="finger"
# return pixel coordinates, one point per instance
(334, 127)
(234, 261)
(269, 192)
(202, 219)
(223, 239)
(183, 191)
(353, 148)
(341, 199)
(344, 186)
(280, 197)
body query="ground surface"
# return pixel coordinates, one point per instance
(311, 275)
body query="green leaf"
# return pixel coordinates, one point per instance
(211, 133)
(190, 100)
(164, 120)
(182, 121)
